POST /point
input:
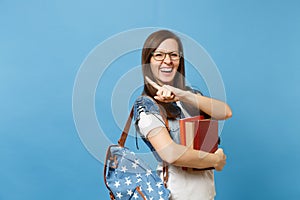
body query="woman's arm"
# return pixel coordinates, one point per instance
(216, 109)
(180, 155)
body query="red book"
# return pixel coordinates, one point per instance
(199, 133)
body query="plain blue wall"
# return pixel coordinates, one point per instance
(255, 45)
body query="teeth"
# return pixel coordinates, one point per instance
(166, 69)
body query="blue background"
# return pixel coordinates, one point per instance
(255, 45)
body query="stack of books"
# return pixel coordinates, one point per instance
(200, 134)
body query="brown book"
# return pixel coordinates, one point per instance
(199, 133)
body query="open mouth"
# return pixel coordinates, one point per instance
(166, 69)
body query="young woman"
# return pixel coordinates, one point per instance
(166, 97)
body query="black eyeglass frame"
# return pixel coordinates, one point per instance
(165, 54)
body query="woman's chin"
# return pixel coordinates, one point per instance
(168, 81)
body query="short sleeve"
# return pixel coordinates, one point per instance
(147, 115)
(195, 91)
(149, 122)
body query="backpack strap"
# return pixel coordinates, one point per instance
(124, 134)
(165, 164)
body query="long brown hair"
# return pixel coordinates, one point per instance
(150, 45)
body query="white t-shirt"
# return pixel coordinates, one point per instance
(184, 185)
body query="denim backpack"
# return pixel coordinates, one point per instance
(127, 177)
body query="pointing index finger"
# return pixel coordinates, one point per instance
(155, 85)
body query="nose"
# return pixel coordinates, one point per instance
(167, 59)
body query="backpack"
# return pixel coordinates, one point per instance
(127, 177)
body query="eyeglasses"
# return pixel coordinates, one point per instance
(160, 56)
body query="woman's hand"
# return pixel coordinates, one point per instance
(221, 159)
(166, 93)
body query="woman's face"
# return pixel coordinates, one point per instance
(164, 70)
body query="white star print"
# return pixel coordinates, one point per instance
(148, 172)
(129, 192)
(134, 165)
(117, 184)
(128, 182)
(119, 195)
(135, 196)
(124, 169)
(149, 189)
(138, 175)
(139, 180)
(159, 184)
